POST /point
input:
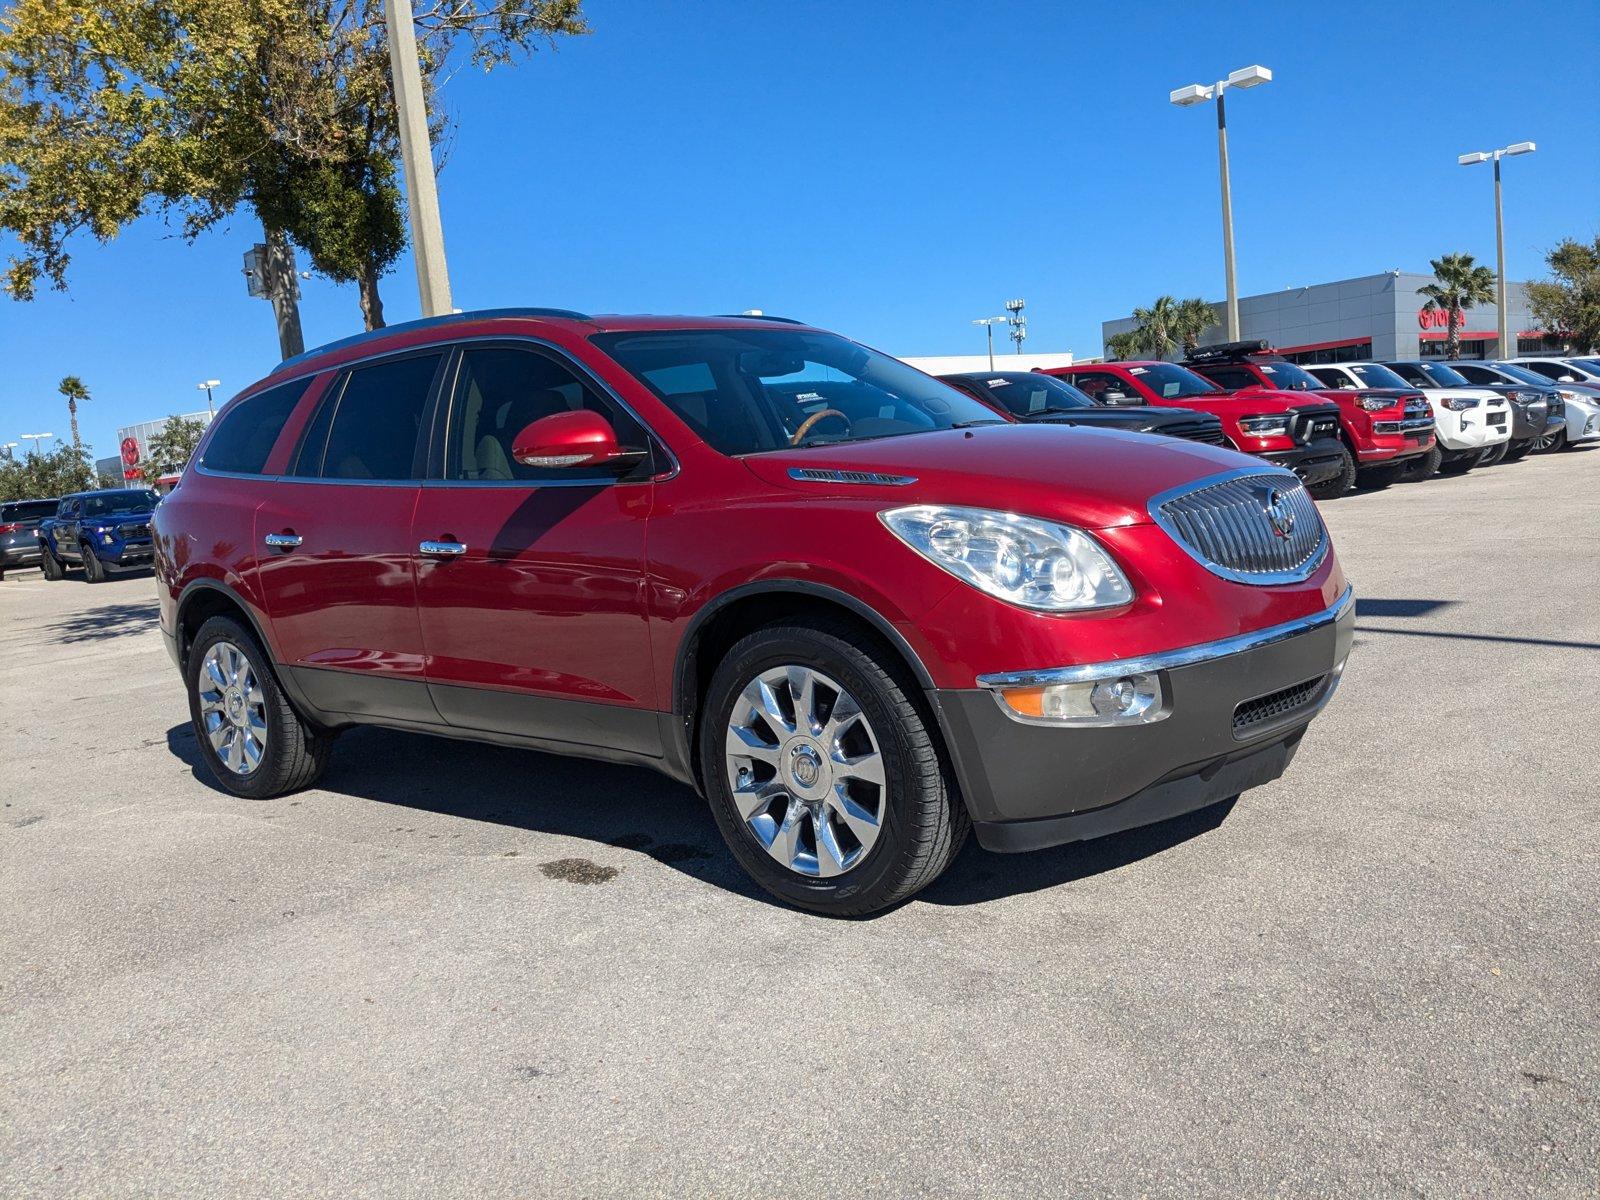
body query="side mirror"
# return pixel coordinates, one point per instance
(567, 439)
(1116, 399)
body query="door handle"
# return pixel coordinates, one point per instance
(283, 541)
(442, 549)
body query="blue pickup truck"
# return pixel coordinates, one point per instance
(97, 531)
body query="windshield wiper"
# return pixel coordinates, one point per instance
(979, 421)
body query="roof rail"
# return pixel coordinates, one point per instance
(482, 314)
(757, 317)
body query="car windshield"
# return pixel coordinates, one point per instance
(1441, 375)
(1375, 376)
(1291, 378)
(1522, 373)
(1589, 364)
(746, 391)
(105, 504)
(1027, 393)
(1169, 381)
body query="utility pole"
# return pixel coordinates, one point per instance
(416, 153)
(269, 275)
(1019, 323)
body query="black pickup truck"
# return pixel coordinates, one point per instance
(98, 531)
(1034, 397)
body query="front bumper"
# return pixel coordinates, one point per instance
(1235, 711)
(1316, 462)
(1473, 429)
(130, 555)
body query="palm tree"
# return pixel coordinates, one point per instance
(72, 388)
(1122, 346)
(1157, 331)
(1192, 318)
(1461, 284)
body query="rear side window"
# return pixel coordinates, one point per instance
(1231, 378)
(247, 432)
(27, 510)
(369, 427)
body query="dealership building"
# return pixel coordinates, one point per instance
(133, 442)
(1373, 316)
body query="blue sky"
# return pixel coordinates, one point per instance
(894, 169)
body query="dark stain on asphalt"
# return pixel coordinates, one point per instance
(676, 852)
(578, 870)
(37, 817)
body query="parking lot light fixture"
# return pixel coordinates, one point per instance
(35, 438)
(989, 323)
(205, 386)
(1507, 349)
(1199, 93)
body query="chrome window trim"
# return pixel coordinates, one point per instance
(670, 471)
(1170, 660)
(1255, 579)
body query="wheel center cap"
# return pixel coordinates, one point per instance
(805, 770)
(235, 705)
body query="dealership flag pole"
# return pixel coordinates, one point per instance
(416, 153)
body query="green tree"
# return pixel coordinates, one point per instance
(1157, 328)
(1192, 318)
(72, 388)
(38, 476)
(112, 109)
(1569, 304)
(1121, 346)
(1460, 284)
(168, 452)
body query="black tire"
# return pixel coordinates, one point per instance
(93, 569)
(1340, 483)
(1493, 454)
(296, 751)
(922, 819)
(1517, 450)
(49, 565)
(1424, 466)
(1460, 464)
(1375, 479)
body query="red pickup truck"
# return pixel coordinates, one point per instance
(1280, 427)
(1384, 430)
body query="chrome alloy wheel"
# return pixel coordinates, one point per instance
(233, 708)
(805, 771)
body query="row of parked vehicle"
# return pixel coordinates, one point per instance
(861, 612)
(1337, 426)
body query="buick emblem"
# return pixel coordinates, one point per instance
(1279, 515)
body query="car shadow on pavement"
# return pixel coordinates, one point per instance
(637, 810)
(106, 621)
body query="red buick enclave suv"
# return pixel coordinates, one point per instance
(855, 608)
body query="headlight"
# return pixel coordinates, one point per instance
(1376, 403)
(1021, 560)
(1527, 397)
(1277, 426)
(1566, 395)
(1459, 403)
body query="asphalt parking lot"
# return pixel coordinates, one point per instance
(462, 970)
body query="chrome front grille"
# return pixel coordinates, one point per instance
(1250, 526)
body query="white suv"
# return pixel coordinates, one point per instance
(1470, 421)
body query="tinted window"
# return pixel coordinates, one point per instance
(1374, 376)
(1474, 374)
(1229, 378)
(499, 391)
(1102, 387)
(748, 390)
(1288, 376)
(1520, 374)
(1334, 377)
(27, 510)
(247, 432)
(1026, 394)
(1552, 372)
(1171, 382)
(127, 500)
(372, 423)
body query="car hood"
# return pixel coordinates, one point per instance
(121, 518)
(1096, 478)
(1259, 399)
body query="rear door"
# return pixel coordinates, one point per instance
(336, 572)
(64, 531)
(531, 580)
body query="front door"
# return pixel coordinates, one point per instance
(336, 572)
(530, 581)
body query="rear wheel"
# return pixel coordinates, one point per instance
(825, 777)
(1341, 483)
(93, 569)
(249, 734)
(1424, 466)
(49, 565)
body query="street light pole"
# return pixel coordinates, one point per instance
(988, 324)
(1507, 350)
(206, 388)
(1195, 93)
(35, 438)
(416, 153)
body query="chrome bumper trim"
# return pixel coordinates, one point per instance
(1186, 656)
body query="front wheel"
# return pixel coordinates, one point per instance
(49, 565)
(825, 777)
(249, 734)
(1341, 483)
(1518, 450)
(93, 569)
(1553, 441)
(1494, 454)
(1377, 478)
(1424, 466)
(1459, 465)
